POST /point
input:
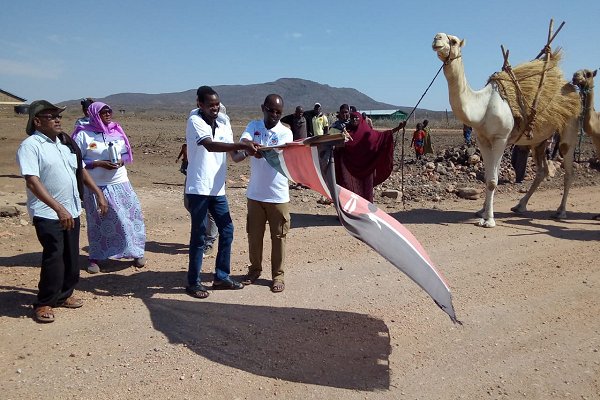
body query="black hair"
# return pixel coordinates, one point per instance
(203, 92)
(85, 103)
(344, 106)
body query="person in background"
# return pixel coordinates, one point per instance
(343, 117)
(54, 176)
(418, 141)
(368, 120)
(297, 123)
(467, 132)
(367, 160)
(268, 195)
(320, 122)
(353, 109)
(209, 137)
(518, 160)
(85, 103)
(427, 145)
(121, 233)
(184, 159)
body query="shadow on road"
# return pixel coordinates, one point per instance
(319, 347)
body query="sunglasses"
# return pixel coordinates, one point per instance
(271, 111)
(106, 111)
(50, 117)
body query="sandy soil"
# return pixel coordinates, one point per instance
(348, 324)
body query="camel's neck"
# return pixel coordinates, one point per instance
(467, 105)
(591, 119)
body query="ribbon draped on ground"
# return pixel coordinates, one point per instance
(310, 163)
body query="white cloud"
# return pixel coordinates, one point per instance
(29, 69)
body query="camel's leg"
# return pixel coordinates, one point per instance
(568, 141)
(541, 171)
(485, 148)
(492, 155)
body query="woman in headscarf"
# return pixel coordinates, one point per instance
(367, 159)
(120, 233)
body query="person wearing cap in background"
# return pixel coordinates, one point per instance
(320, 122)
(51, 164)
(85, 103)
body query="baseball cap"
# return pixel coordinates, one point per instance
(35, 108)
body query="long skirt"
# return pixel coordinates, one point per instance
(361, 186)
(120, 233)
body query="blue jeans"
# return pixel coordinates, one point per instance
(199, 206)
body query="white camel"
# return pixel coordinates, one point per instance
(491, 117)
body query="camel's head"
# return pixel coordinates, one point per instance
(447, 47)
(584, 78)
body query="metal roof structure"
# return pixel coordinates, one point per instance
(10, 99)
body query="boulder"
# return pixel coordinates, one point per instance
(9, 211)
(469, 193)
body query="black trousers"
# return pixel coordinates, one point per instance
(60, 261)
(518, 159)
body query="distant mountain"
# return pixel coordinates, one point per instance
(294, 92)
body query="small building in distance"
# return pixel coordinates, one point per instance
(10, 101)
(390, 115)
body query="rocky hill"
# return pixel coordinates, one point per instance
(294, 91)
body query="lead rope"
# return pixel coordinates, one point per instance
(404, 129)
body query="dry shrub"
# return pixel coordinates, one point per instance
(558, 100)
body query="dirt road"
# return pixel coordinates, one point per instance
(348, 325)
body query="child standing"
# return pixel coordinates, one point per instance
(418, 141)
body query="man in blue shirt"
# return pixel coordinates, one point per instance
(51, 164)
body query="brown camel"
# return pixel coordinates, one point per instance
(584, 80)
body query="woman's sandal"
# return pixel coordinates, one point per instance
(277, 287)
(43, 314)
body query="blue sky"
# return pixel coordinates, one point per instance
(71, 49)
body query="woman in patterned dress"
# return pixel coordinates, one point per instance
(120, 233)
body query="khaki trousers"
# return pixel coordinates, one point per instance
(278, 217)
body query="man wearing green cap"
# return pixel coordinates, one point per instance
(54, 176)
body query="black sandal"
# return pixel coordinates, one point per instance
(227, 284)
(250, 278)
(199, 292)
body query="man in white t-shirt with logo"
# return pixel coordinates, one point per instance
(268, 194)
(209, 137)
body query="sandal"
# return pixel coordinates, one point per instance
(71, 302)
(277, 287)
(199, 292)
(227, 284)
(43, 314)
(139, 262)
(250, 278)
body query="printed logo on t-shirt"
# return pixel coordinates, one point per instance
(273, 141)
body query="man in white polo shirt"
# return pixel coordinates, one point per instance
(209, 137)
(268, 194)
(51, 164)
